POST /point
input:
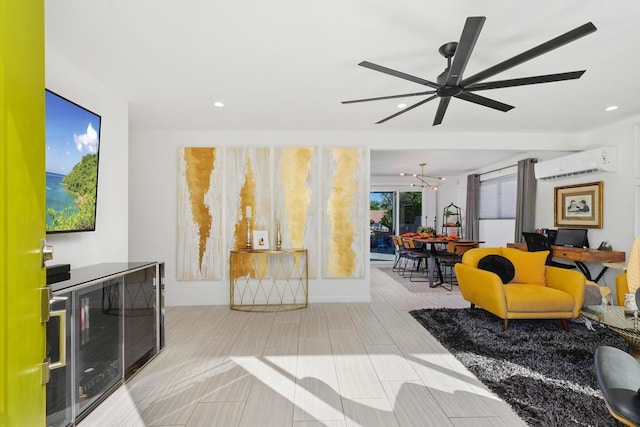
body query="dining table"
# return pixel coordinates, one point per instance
(430, 244)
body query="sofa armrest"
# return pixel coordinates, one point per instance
(569, 281)
(482, 288)
(622, 287)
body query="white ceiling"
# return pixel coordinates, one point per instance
(286, 65)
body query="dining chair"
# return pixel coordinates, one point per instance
(401, 254)
(418, 255)
(453, 255)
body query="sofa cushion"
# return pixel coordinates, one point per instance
(499, 265)
(529, 266)
(537, 299)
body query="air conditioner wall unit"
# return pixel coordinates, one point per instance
(582, 163)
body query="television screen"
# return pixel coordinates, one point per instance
(72, 145)
(574, 237)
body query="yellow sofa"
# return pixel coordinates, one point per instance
(536, 291)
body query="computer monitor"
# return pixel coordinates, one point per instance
(572, 237)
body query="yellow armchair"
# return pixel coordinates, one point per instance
(629, 281)
(536, 291)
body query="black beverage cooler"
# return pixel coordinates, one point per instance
(104, 325)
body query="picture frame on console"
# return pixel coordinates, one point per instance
(260, 240)
(578, 205)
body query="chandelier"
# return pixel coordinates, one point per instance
(423, 178)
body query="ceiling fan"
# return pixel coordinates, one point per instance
(450, 83)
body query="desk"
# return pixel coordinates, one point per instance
(433, 254)
(581, 255)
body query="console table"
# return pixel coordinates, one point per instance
(268, 280)
(581, 255)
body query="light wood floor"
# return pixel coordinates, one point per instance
(364, 364)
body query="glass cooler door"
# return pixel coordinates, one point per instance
(98, 334)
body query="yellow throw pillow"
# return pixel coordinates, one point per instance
(633, 268)
(529, 266)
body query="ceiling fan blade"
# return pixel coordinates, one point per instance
(561, 40)
(526, 81)
(429, 92)
(411, 107)
(398, 74)
(481, 100)
(442, 108)
(468, 39)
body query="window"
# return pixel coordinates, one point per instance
(498, 197)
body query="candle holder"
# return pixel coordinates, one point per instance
(247, 240)
(278, 237)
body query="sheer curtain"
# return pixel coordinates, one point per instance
(525, 198)
(472, 221)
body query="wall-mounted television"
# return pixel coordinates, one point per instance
(72, 148)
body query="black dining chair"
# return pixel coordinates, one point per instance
(538, 242)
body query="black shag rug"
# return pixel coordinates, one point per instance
(545, 373)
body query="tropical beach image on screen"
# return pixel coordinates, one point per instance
(72, 143)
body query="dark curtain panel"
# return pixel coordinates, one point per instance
(472, 220)
(525, 199)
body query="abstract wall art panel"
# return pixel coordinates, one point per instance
(343, 204)
(248, 196)
(296, 200)
(199, 213)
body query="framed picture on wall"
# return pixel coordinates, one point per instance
(578, 205)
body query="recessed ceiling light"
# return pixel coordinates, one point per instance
(403, 105)
(218, 104)
(611, 108)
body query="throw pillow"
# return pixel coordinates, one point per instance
(530, 266)
(633, 268)
(499, 265)
(592, 295)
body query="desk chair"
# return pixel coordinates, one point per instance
(539, 242)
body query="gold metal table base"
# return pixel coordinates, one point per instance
(268, 280)
(615, 318)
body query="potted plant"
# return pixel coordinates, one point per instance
(426, 230)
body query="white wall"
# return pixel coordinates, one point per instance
(109, 243)
(153, 213)
(153, 189)
(619, 205)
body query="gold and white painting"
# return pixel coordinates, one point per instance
(248, 197)
(343, 202)
(296, 200)
(199, 236)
